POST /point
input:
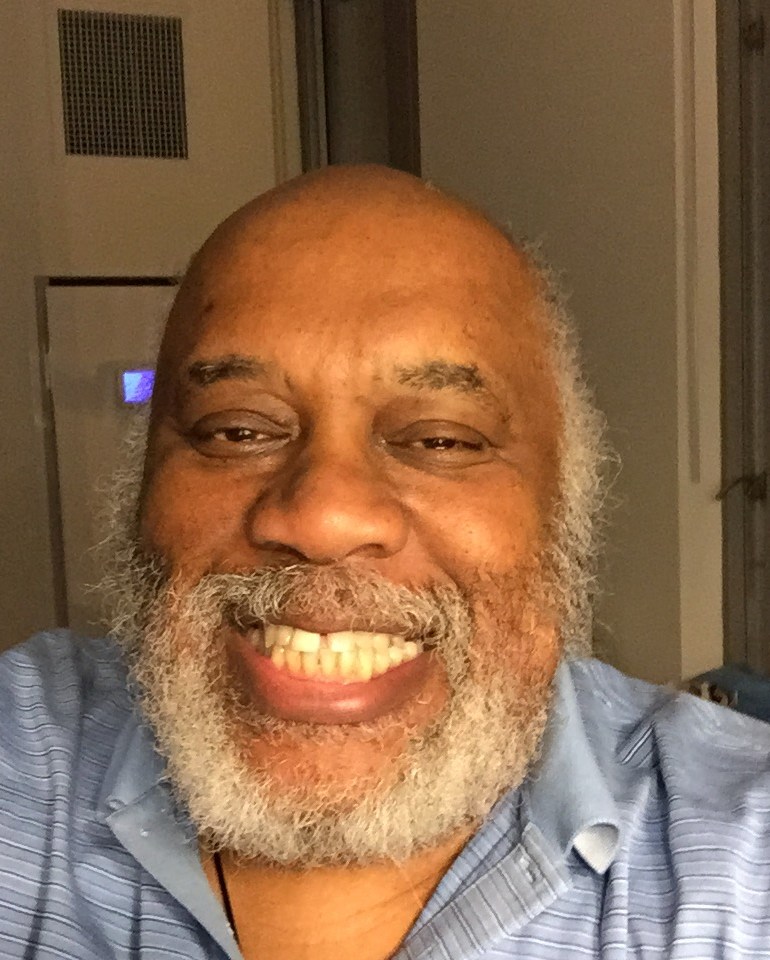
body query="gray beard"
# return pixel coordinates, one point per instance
(450, 774)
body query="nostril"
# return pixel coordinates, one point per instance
(282, 554)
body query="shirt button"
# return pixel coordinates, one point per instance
(114, 803)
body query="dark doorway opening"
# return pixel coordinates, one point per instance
(744, 121)
(358, 82)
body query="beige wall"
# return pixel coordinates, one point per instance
(587, 124)
(580, 123)
(81, 215)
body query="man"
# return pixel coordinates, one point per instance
(352, 602)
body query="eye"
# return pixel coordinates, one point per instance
(449, 443)
(440, 444)
(237, 434)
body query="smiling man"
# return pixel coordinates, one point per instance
(351, 593)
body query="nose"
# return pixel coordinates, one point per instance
(328, 506)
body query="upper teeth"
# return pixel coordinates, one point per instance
(348, 655)
(280, 635)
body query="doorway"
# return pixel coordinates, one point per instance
(744, 84)
(358, 83)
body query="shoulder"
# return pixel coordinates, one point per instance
(691, 778)
(62, 670)
(60, 696)
(642, 724)
(691, 784)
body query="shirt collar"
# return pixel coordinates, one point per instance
(137, 805)
(134, 770)
(567, 796)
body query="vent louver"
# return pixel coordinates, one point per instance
(122, 84)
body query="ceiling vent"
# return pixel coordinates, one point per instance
(122, 84)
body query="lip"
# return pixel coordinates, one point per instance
(280, 694)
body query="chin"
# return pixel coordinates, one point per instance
(338, 764)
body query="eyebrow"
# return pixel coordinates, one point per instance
(431, 375)
(443, 375)
(232, 367)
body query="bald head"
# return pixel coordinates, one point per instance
(376, 236)
(364, 203)
(339, 215)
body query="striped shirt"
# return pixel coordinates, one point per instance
(643, 832)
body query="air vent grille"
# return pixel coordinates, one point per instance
(122, 84)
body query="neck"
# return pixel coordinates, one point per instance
(361, 912)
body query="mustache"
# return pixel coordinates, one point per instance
(352, 599)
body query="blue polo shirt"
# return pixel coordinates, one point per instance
(642, 832)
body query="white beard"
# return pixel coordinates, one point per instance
(449, 776)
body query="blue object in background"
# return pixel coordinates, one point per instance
(136, 385)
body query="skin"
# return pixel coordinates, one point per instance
(375, 314)
(328, 913)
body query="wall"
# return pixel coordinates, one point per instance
(99, 216)
(583, 125)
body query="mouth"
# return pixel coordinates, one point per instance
(339, 676)
(343, 656)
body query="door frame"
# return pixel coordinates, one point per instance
(744, 272)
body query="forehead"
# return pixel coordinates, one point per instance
(362, 289)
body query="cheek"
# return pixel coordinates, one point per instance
(490, 541)
(516, 634)
(496, 527)
(186, 519)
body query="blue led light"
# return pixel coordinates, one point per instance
(137, 385)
